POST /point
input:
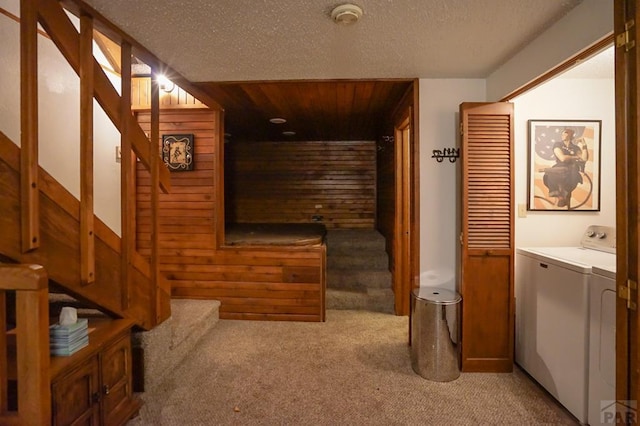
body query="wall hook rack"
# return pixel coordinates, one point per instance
(451, 153)
(386, 139)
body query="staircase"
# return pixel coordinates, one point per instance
(163, 348)
(358, 274)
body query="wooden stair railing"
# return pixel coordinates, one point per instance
(142, 293)
(27, 361)
(76, 47)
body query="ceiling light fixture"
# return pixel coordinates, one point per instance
(278, 120)
(346, 14)
(288, 133)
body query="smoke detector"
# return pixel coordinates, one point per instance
(346, 14)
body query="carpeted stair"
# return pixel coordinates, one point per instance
(163, 348)
(358, 274)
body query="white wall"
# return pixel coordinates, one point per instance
(571, 99)
(439, 117)
(10, 72)
(583, 26)
(59, 120)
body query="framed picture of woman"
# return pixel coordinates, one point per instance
(564, 165)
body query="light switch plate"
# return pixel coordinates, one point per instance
(522, 210)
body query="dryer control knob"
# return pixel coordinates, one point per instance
(590, 233)
(601, 235)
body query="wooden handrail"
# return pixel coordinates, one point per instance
(23, 277)
(30, 282)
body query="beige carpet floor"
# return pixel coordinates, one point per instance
(354, 369)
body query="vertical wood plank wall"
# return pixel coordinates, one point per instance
(274, 283)
(176, 98)
(291, 182)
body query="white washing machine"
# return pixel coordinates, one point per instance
(553, 301)
(602, 340)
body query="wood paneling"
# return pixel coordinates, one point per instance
(340, 110)
(176, 98)
(291, 182)
(189, 208)
(276, 283)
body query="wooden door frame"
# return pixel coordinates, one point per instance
(406, 242)
(627, 202)
(402, 225)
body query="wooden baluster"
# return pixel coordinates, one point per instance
(87, 237)
(154, 166)
(30, 205)
(127, 174)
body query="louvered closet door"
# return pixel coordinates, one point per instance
(487, 237)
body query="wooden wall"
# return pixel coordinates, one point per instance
(291, 182)
(177, 97)
(187, 213)
(276, 283)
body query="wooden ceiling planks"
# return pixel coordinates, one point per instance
(335, 110)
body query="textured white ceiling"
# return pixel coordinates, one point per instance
(239, 40)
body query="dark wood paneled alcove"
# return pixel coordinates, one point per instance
(262, 283)
(333, 183)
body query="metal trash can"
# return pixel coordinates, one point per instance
(435, 333)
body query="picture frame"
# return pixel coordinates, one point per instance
(177, 152)
(562, 174)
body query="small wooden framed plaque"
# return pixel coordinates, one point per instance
(177, 152)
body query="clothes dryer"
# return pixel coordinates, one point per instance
(602, 340)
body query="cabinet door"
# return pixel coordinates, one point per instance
(117, 392)
(75, 396)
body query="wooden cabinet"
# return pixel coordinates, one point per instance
(94, 385)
